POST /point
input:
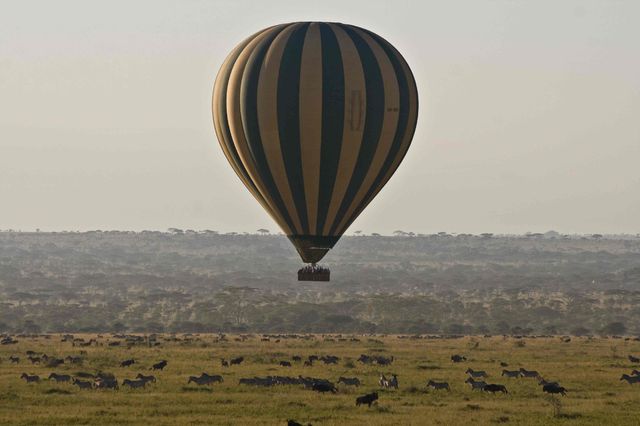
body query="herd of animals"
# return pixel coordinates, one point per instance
(476, 379)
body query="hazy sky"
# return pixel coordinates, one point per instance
(529, 121)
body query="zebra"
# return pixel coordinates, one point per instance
(83, 384)
(349, 381)
(30, 379)
(630, 379)
(149, 378)
(134, 384)
(60, 377)
(474, 373)
(438, 385)
(480, 384)
(529, 373)
(513, 373)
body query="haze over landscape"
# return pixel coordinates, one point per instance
(528, 115)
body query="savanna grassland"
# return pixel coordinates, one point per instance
(590, 369)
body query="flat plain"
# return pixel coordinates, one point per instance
(589, 368)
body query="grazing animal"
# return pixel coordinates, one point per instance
(285, 364)
(458, 358)
(106, 383)
(635, 373)
(14, 359)
(127, 362)
(367, 399)
(149, 378)
(503, 364)
(324, 387)
(529, 373)
(512, 373)
(34, 359)
(74, 359)
(294, 423)
(634, 359)
(296, 358)
(493, 388)
(30, 378)
(159, 366)
(553, 389)
(393, 383)
(237, 361)
(544, 382)
(438, 385)
(83, 384)
(630, 379)
(308, 363)
(224, 362)
(479, 384)
(384, 383)
(60, 377)
(205, 379)
(474, 373)
(134, 384)
(54, 362)
(349, 381)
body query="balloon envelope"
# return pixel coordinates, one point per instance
(314, 118)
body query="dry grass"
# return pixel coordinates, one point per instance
(585, 367)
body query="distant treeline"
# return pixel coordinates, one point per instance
(188, 281)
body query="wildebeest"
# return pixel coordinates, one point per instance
(83, 384)
(34, 359)
(14, 359)
(296, 358)
(493, 388)
(476, 373)
(634, 359)
(630, 379)
(529, 373)
(127, 362)
(367, 399)
(60, 377)
(503, 364)
(349, 381)
(476, 384)
(224, 362)
(543, 382)
(237, 361)
(511, 373)
(324, 387)
(149, 378)
(30, 378)
(458, 358)
(635, 373)
(285, 364)
(393, 383)
(553, 389)
(438, 385)
(308, 363)
(159, 365)
(134, 384)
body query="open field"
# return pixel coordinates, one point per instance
(589, 368)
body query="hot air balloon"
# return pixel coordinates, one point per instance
(314, 117)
